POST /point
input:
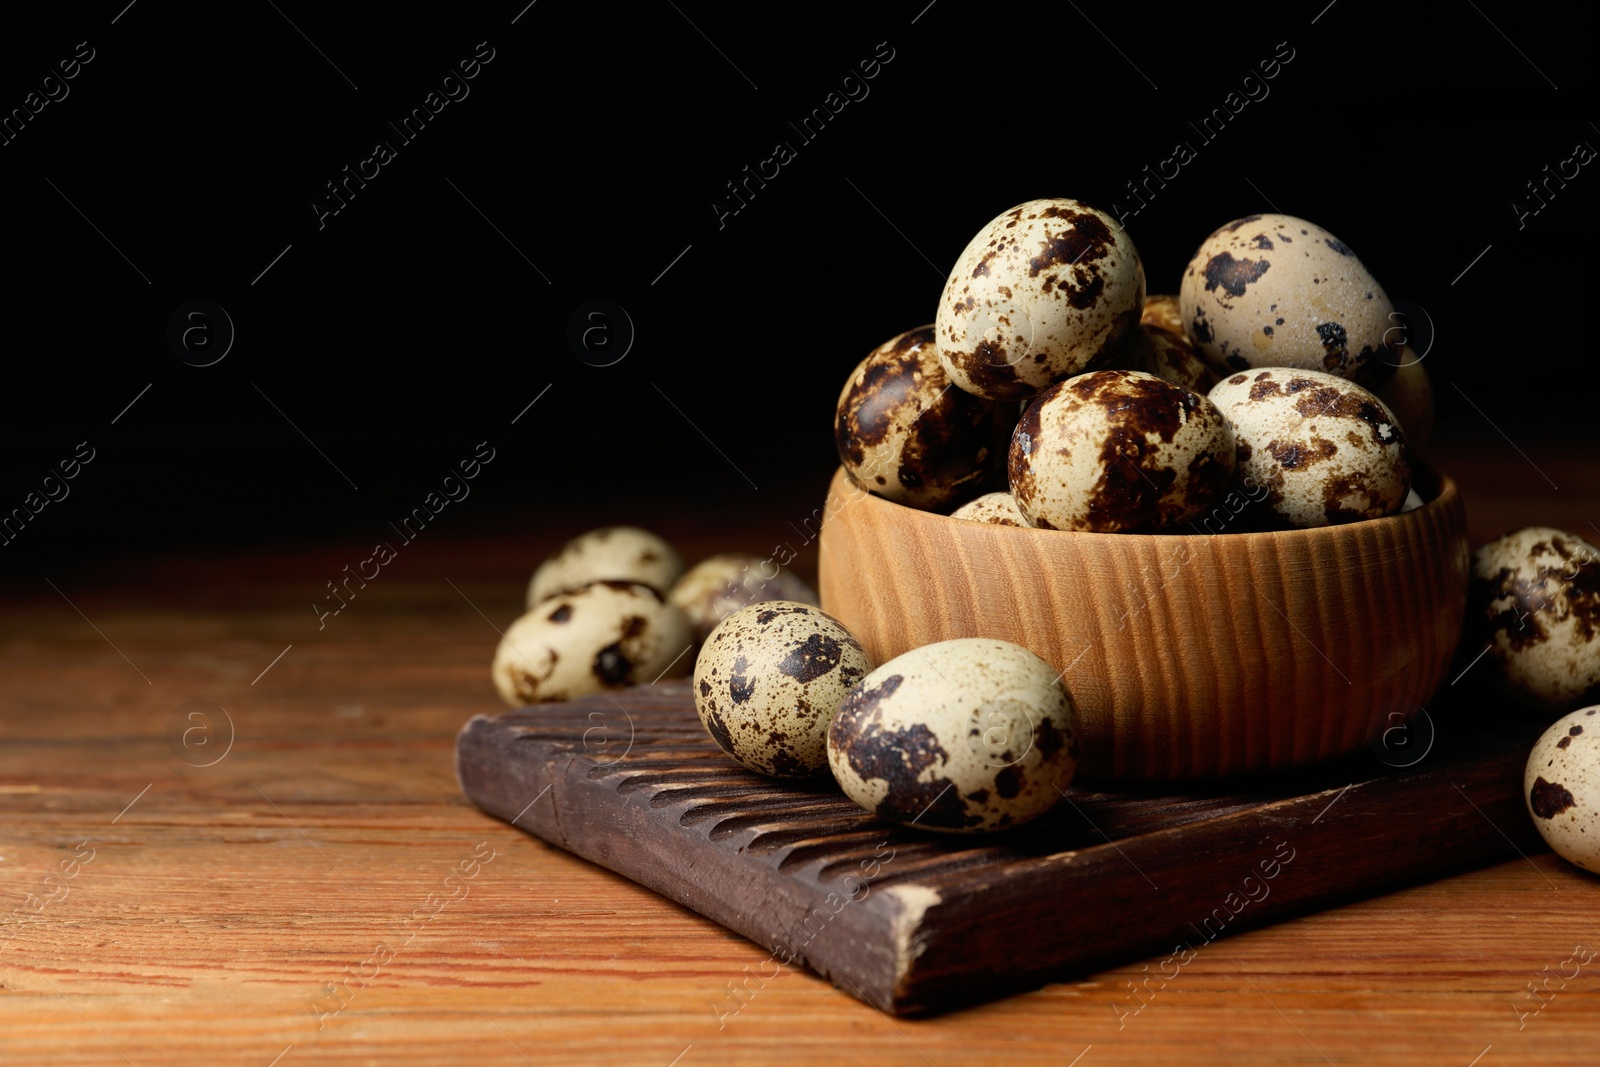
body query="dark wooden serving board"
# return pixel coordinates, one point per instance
(917, 922)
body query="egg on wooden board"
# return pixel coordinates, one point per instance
(1119, 451)
(905, 434)
(611, 553)
(1042, 292)
(1278, 291)
(768, 681)
(1535, 607)
(967, 735)
(1326, 450)
(1562, 788)
(606, 635)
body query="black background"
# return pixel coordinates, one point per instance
(407, 329)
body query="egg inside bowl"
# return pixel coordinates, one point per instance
(1188, 655)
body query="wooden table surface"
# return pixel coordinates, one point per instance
(322, 893)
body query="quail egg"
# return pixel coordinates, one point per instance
(967, 735)
(768, 680)
(905, 435)
(717, 587)
(603, 636)
(1278, 291)
(1562, 787)
(1409, 395)
(999, 509)
(1535, 606)
(1327, 451)
(1168, 356)
(1042, 292)
(1113, 451)
(615, 553)
(1164, 313)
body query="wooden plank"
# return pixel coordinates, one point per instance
(914, 922)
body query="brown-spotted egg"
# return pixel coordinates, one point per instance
(768, 681)
(720, 585)
(997, 509)
(1327, 450)
(1535, 609)
(611, 553)
(904, 434)
(1119, 451)
(1278, 291)
(966, 735)
(1562, 787)
(605, 635)
(1168, 356)
(1163, 312)
(1409, 395)
(1042, 292)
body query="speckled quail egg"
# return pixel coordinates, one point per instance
(603, 636)
(1168, 356)
(1041, 293)
(905, 435)
(611, 553)
(999, 509)
(1119, 451)
(1535, 605)
(1562, 786)
(1327, 451)
(1164, 313)
(1277, 291)
(768, 681)
(717, 587)
(1409, 395)
(967, 735)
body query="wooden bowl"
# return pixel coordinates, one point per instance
(1188, 655)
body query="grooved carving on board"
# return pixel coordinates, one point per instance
(913, 921)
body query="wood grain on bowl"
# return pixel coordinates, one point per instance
(1212, 653)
